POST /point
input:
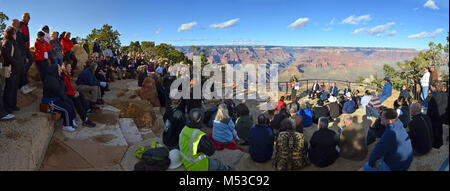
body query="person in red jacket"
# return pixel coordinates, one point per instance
(281, 103)
(67, 45)
(41, 48)
(24, 28)
(77, 97)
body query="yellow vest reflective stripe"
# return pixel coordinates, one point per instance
(192, 160)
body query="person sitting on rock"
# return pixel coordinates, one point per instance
(174, 121)
(334, 108)
(291, 148)
(373, 107)
(350, 105)
(89, 86)
(402, 108)
(320, 111)
(275, 124)
(54, 96)
(223, 127)
(322, 151)
(260, 140)
(243, 124)
(196, 147)
(347, 89)
(281, 103)
(420, 131)
(387, 90)
(352, 140)
(77, 98)
(315, 89)
(307, 114)
(142, 74)
(294, 104)
(298, 121)
(394, 147)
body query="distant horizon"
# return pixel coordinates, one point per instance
(299, 46)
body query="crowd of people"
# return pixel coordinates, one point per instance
(403, 131)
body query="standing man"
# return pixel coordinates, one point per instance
(23, 28)
(292, 82)
(394, 147)
(86, 46)
(23, 63)
(425, 83)
(96, 48)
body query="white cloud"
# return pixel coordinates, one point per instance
(327, 29)
(332, 21)
(356, 20)
(425, 34)
(392, 33)
(431, 5)
(378, 30)
(158, 31)
(226, 24)
(299, 23)
(187, 26)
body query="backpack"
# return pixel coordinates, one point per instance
(155, 159)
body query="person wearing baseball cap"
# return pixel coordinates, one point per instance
(387, 90)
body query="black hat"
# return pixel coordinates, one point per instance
(195, 118)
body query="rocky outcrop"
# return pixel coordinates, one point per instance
(148, 91)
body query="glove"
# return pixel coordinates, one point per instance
(103, 84)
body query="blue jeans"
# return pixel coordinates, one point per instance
(324, 96)
(371, 112)
(216, 165)
(58, 61)
(424, 95)
(382, 164)
(382, 98)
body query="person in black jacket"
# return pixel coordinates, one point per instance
(320, 111)
(174, 122)
(54, 95)
(12, 57)
(420, 131)
(26, 59)
(437, 108)
(275, 124)
(322, 151)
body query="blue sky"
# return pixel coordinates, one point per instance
(381, 23)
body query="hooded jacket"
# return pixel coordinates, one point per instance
(53, 85)
(40, 48)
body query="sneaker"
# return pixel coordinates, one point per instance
(88, 123)
(75, 124)
(68, 128)
(7, 117)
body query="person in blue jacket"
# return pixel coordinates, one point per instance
(88, 85)
(307, 113)
(387, 90)
(334, 90)
(350, 105)
(260, 140)
(394, 150)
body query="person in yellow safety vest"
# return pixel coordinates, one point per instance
(196, 147)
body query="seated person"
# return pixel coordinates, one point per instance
(322, 151)
(294, 105)
(77, 98)
(298, 121)
(89, 86)
(352, 140)
(393, 151)
(334, 90)
(349, 106)
(196, 147)
(54, 96)
(320, 111)
(291, 149)
(260, 140)
(365, 99)
(402, 108)
(281, 103)
(420, 131)
(334, 108)
(373, 107)
(347, 89)
(275, 124)
(174, 122)
(223, 127)
(315, 90)
(243, 124)
(307, 114)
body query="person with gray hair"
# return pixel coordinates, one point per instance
(322, 151)
(420, 131)
(352, 140)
